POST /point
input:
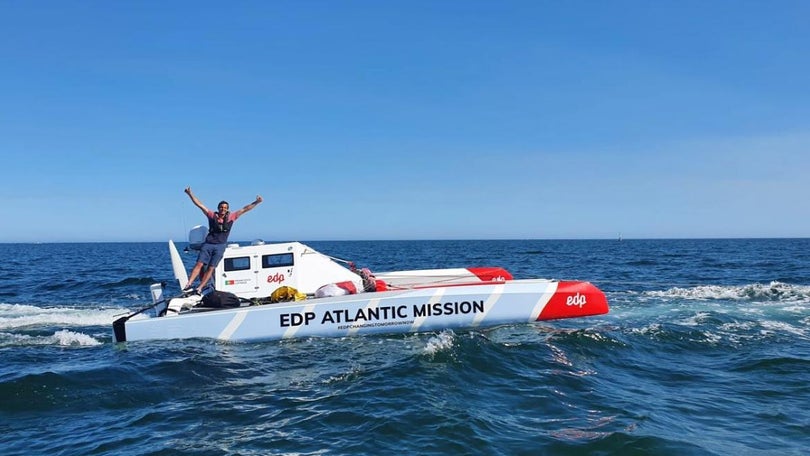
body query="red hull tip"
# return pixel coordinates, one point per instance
(575, 299)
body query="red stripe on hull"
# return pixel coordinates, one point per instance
(491, 274)
(574, 299)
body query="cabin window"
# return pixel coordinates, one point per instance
(237, 264)
(277, 261)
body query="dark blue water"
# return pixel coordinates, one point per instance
(706, 351)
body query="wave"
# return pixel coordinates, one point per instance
(716, 328)
(642, 263)
(129, 281)
(773, 292)
(439, 343)
(63, 338)
(20, 316)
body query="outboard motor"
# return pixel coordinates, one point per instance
(196, 237)
(157, 292)
(158, 299)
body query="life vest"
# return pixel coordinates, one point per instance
(218, 232)
(215, 227)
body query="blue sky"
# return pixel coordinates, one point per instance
(405, 119)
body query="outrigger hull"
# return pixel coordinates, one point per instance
(462, 306)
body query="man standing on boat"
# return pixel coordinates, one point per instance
(219, 227)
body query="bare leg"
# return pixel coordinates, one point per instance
(194, 274)
(209, 271)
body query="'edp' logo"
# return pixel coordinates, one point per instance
(576, 300)
(275, 278)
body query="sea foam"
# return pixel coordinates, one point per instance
(440, 342)
(63, 338)
(775, 291)
(14, 316)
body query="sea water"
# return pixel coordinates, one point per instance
(706, 350)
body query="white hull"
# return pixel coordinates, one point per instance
(470, 306)
(441, 299)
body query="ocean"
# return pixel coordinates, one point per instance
(706, 351)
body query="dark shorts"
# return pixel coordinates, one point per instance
(211, 254)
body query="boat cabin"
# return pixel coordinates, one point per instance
(258, 269)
